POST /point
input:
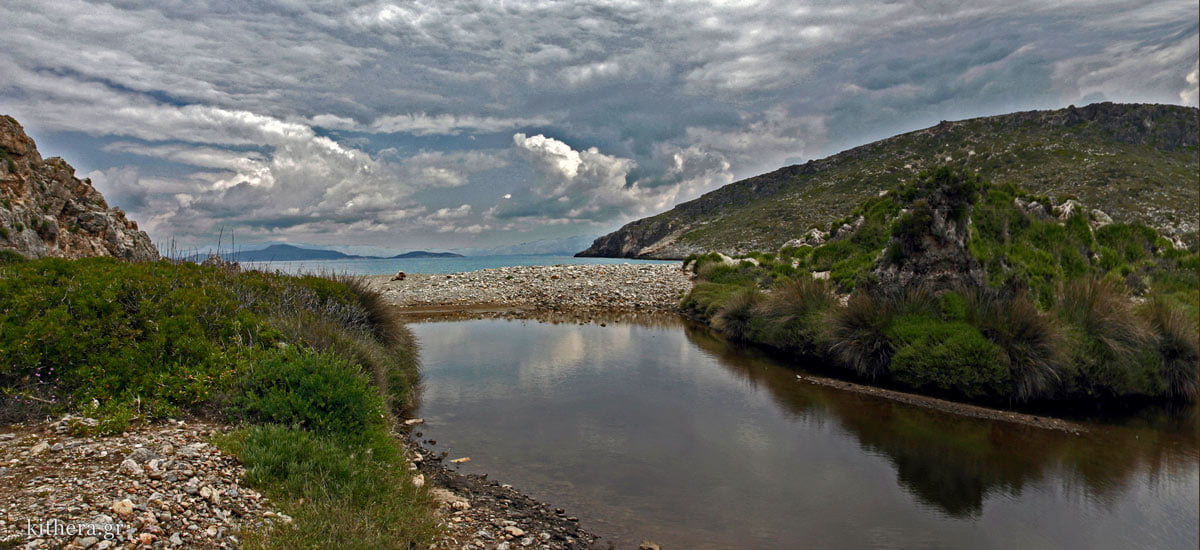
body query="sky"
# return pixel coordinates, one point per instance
(377, 126)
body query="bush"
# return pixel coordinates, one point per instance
(9, 256)
(320, 392)
(950, 356)
(858, 335)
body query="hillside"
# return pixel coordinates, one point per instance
(1137, 163)
(46, 211)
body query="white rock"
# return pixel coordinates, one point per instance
(122, 507)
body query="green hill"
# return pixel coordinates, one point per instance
(1136, 163)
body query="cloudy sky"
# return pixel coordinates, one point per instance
(402, 124)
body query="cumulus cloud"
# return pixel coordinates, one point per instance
(341, 117)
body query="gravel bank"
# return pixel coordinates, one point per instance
(646, 287)
(161, 485)
(479, 513)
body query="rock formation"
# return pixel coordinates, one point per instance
(46, 211)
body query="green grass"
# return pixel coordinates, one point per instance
(313, 369)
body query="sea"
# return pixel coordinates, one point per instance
(389, 266)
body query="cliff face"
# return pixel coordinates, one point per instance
(46, 211)
(1138, 163)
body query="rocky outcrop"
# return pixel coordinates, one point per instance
(46, 211)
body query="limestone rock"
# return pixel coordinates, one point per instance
(46, 211)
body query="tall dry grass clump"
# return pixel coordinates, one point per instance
(858, 334)
(1177, 347)
(792, 315)
(736, 318)
(1031, 341)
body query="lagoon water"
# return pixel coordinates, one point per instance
(430, 265)
(662, 431)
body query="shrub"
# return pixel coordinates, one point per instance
(951, 356)
(858, 335)
(320, 392)
(9, 256)
(793, 312)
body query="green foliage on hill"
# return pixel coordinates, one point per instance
(1137, 163)
(1067, 308)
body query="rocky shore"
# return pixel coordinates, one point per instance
(613, 287)
(481, 513)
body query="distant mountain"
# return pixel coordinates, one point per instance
(1137, 163)
(287, 253)
(292, 253)
(425, 254)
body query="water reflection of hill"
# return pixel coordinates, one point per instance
(954, 463)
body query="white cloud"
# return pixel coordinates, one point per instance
(422, 124)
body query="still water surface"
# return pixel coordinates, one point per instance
(661, 431)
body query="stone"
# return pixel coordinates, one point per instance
(1100, 219)
(418, 480)
(131, 468)
(39, 448)
(647, 545)
(122, 507)
(175, 540)
(142, 455)
(87, 542)
(514, 531)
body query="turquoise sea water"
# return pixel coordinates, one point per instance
(430, 265)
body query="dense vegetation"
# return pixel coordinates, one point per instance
(312, 368)
(1138, 163)
(1069, 308)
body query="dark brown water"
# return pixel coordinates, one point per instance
(666, 433)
